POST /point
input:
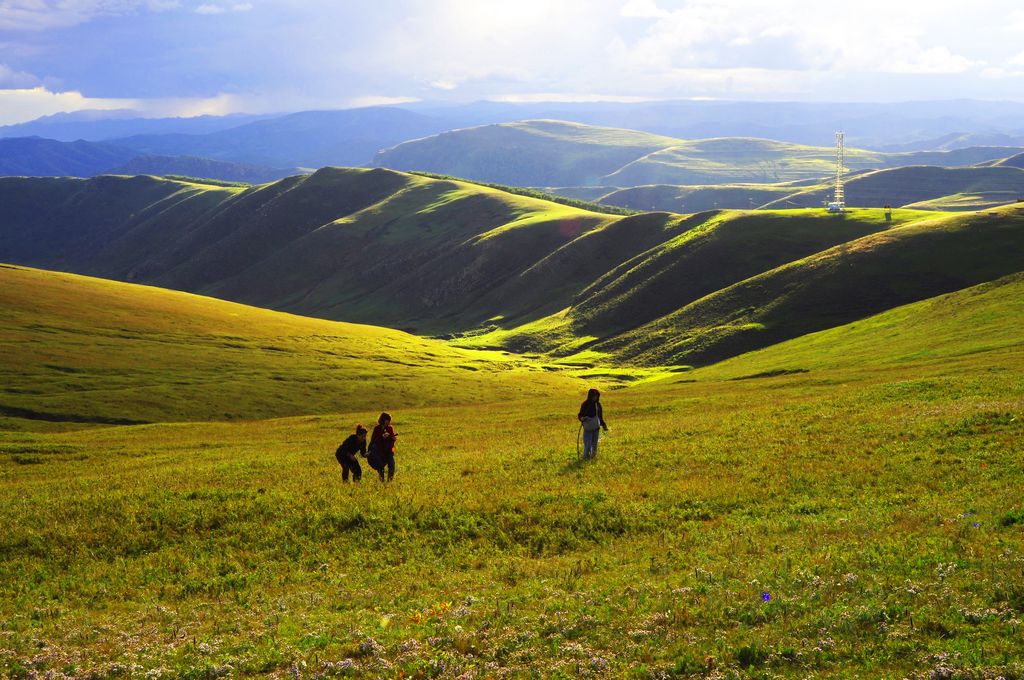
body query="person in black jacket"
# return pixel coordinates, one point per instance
(591, 416)
(346, 454)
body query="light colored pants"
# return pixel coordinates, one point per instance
(590, 440)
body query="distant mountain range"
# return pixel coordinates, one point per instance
(37, 156)
(34, 156)
(905, 126)
(496, 269)
(311, 139)
(98, 126)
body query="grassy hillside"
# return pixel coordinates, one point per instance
(192, 166)
(479, 264)
(77, 350)
(739, 159)
(373, 246)
(525, 153)
(982, 325)
(693, 199)
(366, 245)
(692, 257)
(552, 153)
(1016, 161)
(838, 523)
(921, 187)
(847, 282)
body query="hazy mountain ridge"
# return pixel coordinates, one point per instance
(902, 126)
(31, 156)
(38, 157)
(311, 139)
(99, 126)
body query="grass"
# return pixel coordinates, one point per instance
(525, 153)
(729, 160)
(925, 188)
(877, 509)
(538, 194)
(692, 199)
(850, 281)
(77, 350)
(371, 246)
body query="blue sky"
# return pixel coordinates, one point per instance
(185, 57)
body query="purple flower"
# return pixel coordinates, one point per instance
(975, 524)
(767, 597)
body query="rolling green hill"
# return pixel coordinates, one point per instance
(192, 166)
(693, 199)
(557, 153)
(738, 159)
(850, 281)
(922, 187)
(976, 325)
(80, 350)
(1016, 161)
(526, 153)
(372, 246)
(492, 269)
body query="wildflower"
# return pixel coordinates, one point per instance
(975, 524)
(371, 647)
(767, 597)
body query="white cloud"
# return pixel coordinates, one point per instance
(376, 100)
(22, 104)
(223, 9)
(999, 73)
(932, 60)
(534, 97)
(1016, 20)
(43, 15)
(18, 105)
(9, 78)
(642, 9)
(444, 84)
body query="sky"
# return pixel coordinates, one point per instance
(190, 57)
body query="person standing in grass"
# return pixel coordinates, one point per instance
(591, 416)
(346, 454)
(382, 447)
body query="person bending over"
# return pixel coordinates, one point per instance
(346, 454)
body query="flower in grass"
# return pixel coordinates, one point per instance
(975, 524)
(371, 647)
(766, 597)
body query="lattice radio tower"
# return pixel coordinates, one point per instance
(838, 200)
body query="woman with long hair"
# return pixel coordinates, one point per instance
(382, 447)
(591, 417)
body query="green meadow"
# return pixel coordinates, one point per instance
(844, 504)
